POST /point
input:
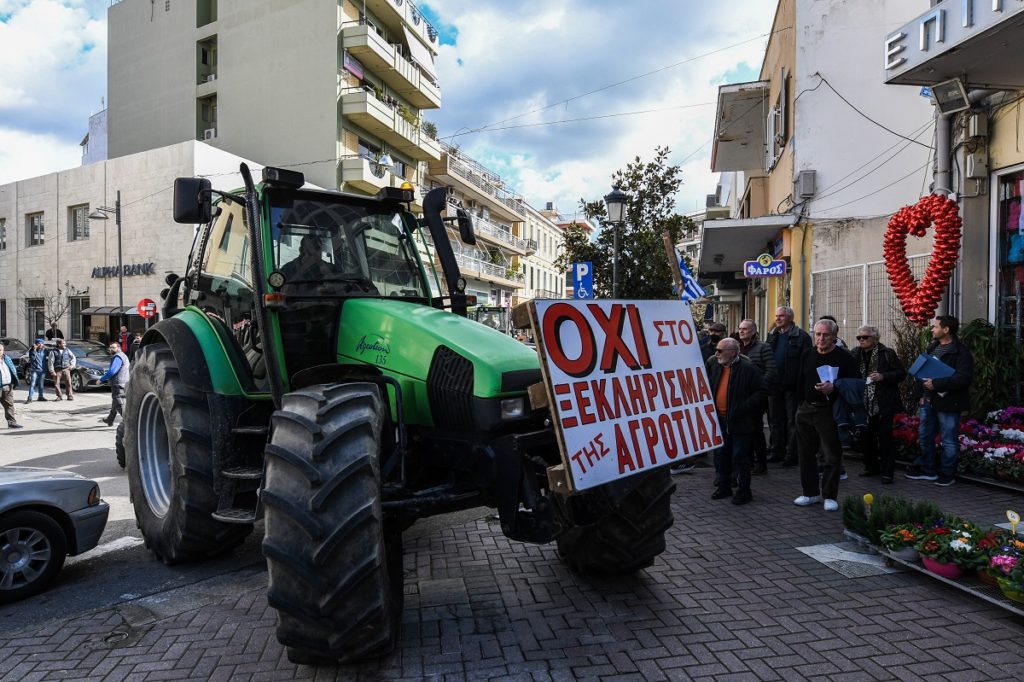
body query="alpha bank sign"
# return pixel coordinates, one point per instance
(941, 29)
(127, 270)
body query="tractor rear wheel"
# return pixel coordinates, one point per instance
(618, 528)
(335, 572)
(168, 444)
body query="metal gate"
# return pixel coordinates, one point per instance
(860, 295)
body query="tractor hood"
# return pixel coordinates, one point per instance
(431, 345)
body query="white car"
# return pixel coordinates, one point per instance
(45, 515)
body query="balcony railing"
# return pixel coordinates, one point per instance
(482, 178)
(497, 233)
(386, 61)
(486, 269)
(545, 293)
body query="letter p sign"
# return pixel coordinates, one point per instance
(583, 280)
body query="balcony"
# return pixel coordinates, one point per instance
(387, 62)
(403, 14)
(377, 117)
(544, 293)
(490, 272)
(478, 183)
(366, 175)
(495, 233)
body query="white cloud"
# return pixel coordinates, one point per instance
(53, 61)
(27, 155)
(514, 57)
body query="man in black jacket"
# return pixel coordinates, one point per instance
(761, 355)
(788, 343)
(943, 401)
(882, 372)
(739, 392)
(816, 427)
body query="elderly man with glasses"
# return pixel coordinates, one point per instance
(739, 392)
(882, 372)
(815, 426)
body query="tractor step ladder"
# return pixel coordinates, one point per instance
(234, 515)
(243, 473)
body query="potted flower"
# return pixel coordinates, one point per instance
(900, 539)
(945, 547)
(988, 545)
(1007, 566)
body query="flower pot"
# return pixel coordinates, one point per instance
(1011, 590)
(904, 554)
(986, 577)
(950, 571)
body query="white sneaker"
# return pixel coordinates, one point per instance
(831, 505)
(805, 501)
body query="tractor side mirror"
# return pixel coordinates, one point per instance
(465, 224)
(192, 200)
(171, 278)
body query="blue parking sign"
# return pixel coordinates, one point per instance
(582, 280)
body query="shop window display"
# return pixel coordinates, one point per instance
(1010, 264)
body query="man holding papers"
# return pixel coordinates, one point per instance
(945, 375)
(815, 426)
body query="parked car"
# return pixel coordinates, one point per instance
(45, 515)
(13, 348)
(92, 360)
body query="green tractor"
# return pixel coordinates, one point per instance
(304, 374)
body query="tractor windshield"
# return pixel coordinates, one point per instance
(342, 248)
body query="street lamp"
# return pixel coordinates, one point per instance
(100, 214)
(616, 202)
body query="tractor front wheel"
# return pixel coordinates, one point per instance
(168, 444)
(335, 572)
(619, 528)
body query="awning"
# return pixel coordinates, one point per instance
(110, 310)
(727, 244)
(420, 53)
(740, 127)
(983, 48)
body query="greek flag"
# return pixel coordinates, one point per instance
(692, 290)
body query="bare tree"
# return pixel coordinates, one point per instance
(55, 302)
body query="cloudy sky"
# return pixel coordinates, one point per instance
(513, 68)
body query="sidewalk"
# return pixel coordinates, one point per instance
(731, 597)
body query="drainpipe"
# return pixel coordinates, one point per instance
(943, 163)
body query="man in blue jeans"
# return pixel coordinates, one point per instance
(942, 403)
(36, 371)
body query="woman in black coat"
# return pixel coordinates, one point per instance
(882, 372)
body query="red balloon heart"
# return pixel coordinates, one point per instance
(920, 300)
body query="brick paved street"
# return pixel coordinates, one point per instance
(732, 598)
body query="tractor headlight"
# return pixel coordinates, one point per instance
(513, 408)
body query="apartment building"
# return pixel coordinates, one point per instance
(334, 88)
(541, 277)
(493, 268)
(822, 154)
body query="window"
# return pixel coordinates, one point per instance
(34, 317)
(78, 304)
(34, 229)
(3, 318)
(3, 234)
(78, 224)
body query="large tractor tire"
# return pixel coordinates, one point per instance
(619, 528)
(335, 572)
(168, 443)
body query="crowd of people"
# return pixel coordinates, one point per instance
(58, 363)
(818, 393)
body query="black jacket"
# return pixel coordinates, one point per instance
(746, 394)
(957, 396)
(788, 349)
(892, 371)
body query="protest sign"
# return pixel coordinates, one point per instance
(628, 390)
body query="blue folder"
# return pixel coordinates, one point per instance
(929, 367)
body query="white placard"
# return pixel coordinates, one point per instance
(628, 386)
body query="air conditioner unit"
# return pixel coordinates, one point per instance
(805, 184)
(209, 133)
(211, 77)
